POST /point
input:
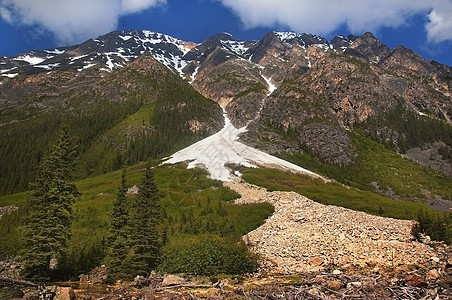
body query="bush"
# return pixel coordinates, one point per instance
(207, 255)
(437, 226)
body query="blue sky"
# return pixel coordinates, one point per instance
(423, 25)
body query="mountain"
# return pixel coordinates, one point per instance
(131, 95)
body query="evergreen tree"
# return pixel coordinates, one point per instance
(144, 219)
(48, 225)
(118, 231)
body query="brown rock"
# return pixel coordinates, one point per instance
(415, 280)
(324, 228)
(316, 261)
(337, 272)
(449, 263)
(320, 279)
(435, 259)
(334, 285)
(98, 274)
(403, 269)
(173, 280)
(64, 293)
(433, 275)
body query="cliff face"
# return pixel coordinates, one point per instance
(354, 82)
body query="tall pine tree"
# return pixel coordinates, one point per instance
(144, 220)
(118, 231)
(48, 226)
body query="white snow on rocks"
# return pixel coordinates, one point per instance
(126, 37)
(10, 75)
(237, 47)
(55, 51)
(193, 75)
(32, 60)
(86, 67)
(222, 148)
(286, 36)
(49, 66)
(271, 86)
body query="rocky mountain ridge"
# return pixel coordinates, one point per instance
(225, 69)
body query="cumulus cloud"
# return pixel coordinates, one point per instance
(325, 16)
(439, 27)
(72, 20)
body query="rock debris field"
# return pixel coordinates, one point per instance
(305, 236)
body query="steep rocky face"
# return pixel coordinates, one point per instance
(426, 84)
(339, 91)
(234, 83)
(283, 53)
(351, 83)
(349, 87)
(241, 80)
(368, 47)
(328, 142)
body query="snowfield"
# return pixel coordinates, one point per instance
(213, 152)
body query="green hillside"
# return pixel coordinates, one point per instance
(139, 112)
(191, 205)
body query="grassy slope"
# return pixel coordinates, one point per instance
(376, 163)
(182, 191)
(332, 193)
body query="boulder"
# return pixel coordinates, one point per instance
(415, 280)
(316, 261)
(173, 280)
(334, 285)
(64, 293)
(433, 275)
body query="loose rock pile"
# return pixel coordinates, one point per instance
(304, 236)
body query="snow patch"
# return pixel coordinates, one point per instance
(126, 38)
(78, 57)
(7, 70)
(286, 36)
(235, 46)
(193, 75)
(10, 75)
(309, 61)
(271, 86)
(48, 67)
(86, 67)
(217, 150)
(32, 60)
(56, 51)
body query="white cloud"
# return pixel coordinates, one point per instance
(133, 6)
(5, 14)
(72, 20)
(325, 16)
(439, 27)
